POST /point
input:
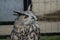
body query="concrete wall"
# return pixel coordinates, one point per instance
(49, 27)
(5, 29)
(41, 7)
(7, 7)
(46, 27)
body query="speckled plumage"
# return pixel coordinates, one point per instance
(25, 28)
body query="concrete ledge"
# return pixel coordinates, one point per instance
(5, 29)
(46, 27)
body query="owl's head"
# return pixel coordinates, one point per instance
(25, 17)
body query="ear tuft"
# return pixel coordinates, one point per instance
(18, 13)
(29, 7)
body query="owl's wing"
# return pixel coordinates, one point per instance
(37, 28)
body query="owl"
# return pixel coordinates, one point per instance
(25, 26)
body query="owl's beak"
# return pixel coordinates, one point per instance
(34, 17)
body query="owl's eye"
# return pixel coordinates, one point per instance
(26, 16)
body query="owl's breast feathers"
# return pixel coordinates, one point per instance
(26, 32)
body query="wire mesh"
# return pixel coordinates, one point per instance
(50, 10)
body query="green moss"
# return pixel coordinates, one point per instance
(42, 38)
(7, 38)
(50, 37)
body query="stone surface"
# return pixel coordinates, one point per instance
(45, 27)
(41, 7)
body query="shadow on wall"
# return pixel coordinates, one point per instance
(54, 16)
